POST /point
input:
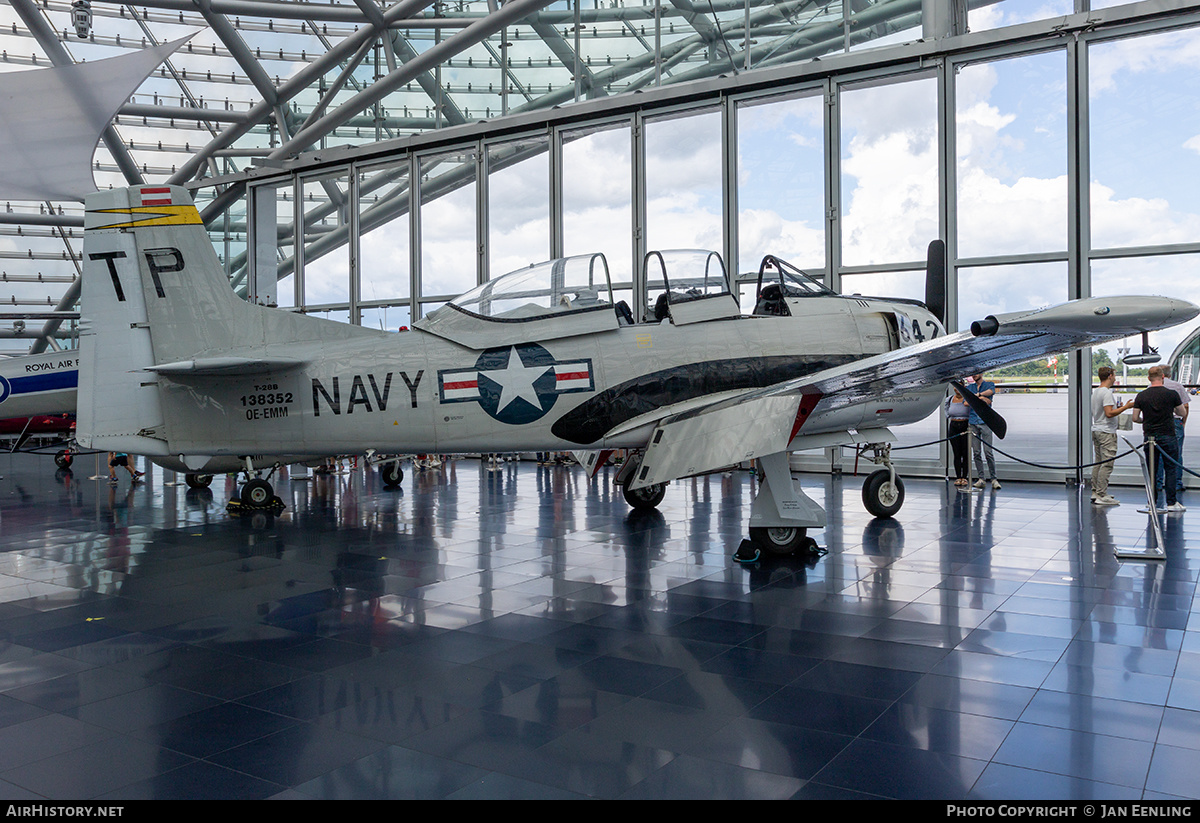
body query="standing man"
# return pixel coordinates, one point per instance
(1155, 408)
(1105, 412)
(981, 435)
(1185, 398)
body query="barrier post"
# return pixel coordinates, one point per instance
(1155, 552)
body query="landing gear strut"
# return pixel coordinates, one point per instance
(883, 490)
(256, 494)
(781, 514)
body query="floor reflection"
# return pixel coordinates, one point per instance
(513, 630)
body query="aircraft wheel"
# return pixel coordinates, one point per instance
(647, 497)
(257, 493)
(63, 459)
(391, 474)
(781, 540)
(198, 481)
(881, 497)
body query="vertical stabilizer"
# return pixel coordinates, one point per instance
(117, 410)
(138, 243)
(157, 312)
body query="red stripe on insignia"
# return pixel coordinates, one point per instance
(574, 375)
(462, 384)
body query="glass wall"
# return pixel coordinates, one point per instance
(889, 170)
(849, 178)
(384, 247)
(518, 204)
(597, 198)
(683, 182)
(1011, 156)
(325, 206)
(449, 224)
(781, 182)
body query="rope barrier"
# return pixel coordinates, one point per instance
(1030, 462)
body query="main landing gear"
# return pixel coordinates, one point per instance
(781, 514)
(256, 493)
(645, 498)
(883, 490)
(392, 474)
(642, 499)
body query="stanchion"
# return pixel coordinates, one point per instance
(1155, 552)
(968, 435)
(98, 475)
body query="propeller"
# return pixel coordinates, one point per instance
(989, 416)
(935, 280)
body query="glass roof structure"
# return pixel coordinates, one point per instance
(268, 78)
(259, 82)
(263, 80)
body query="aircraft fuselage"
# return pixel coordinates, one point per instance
(418, 392)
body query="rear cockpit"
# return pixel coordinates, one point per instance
(686, 286)
(778, 281)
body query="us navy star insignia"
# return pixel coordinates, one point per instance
(515, 384)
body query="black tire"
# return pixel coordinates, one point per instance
(63, 459)
(257, 493)
(880, 497)
(647, 497)
(392, 474)
(198, 481)
(781, 540)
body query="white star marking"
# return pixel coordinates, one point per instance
(516, 381)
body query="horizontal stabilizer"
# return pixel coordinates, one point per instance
(217, 366)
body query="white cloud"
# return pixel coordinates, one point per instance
(1159, 53)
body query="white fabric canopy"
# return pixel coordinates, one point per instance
(51, 120)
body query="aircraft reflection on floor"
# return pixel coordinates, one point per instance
(517, 632)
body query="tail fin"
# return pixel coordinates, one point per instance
(155, 302)
(119, 407)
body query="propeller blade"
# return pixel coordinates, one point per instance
(935, 280)
(986, 413)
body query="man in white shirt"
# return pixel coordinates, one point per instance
(1105, 411)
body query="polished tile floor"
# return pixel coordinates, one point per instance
(519, 634)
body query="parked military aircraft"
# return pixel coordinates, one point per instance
(177, 368)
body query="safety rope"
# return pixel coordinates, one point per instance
(1030, 462)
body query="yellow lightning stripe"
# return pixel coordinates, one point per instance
(155, 216)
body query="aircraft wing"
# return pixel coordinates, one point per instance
(765, 421)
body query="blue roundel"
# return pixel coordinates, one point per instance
(5, 389)
(517, 384)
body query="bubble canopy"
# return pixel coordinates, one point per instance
(559, 298)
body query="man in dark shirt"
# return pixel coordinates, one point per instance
(1155, 408)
